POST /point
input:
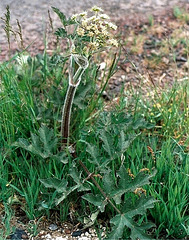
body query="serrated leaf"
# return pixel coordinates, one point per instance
(81, 95)
(43, 144)
(47, 138)
(59, 185)
(137, 231)
(124, 143)
(97, 200)
(142, 179)
(89, 221)
(61, 156)
(93, 151)
(60, 15)
(127, 184)
(76, 175)
(65, 194)
(141, 123)
(23, 143)
(107, 142)
(139, 207)
(108, 182)
(61, 32)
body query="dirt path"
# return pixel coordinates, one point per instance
(33, 14)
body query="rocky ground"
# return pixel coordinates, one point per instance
(33, 16)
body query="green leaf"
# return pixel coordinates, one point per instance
(107, 142)
(127, 184)
(59, 185)
(89, 221)
(93, 151)
(60, 15)
(76, 175)
(48, 139)
(97, 200)
(61, 156)
(61, 32)
(124, 142)
(108, 183)
(120, 222)
(81, 95)
(141, 123)
(44, 144)
(65, 194)
(139, 207)
(137, 231)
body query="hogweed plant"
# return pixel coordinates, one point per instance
(100, 152)
(89, 35)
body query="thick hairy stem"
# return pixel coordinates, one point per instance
(77, 66)
(66, 114)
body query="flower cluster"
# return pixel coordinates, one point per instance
(95, 29)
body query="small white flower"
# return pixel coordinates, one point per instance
(96, 9)
(92, 19)
(104, 16)
(84, 23)
(83, 14)
(93, 45)
(74, 17)
(80, 31)
(90, 34)
(111, 25)
(113, 42)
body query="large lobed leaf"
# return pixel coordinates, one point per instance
(126, 219)
(61, 186)
(129, 209)
(137, 231)
(126, 184)
(44, 145)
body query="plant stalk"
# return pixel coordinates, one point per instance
(66, 114)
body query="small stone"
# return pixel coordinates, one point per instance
(76, 233)
(67, 231)
(102, 66)
(53, 227)
(48, 236)
(18, 234)
(87, 234)
(24, 236)
(123, 77)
